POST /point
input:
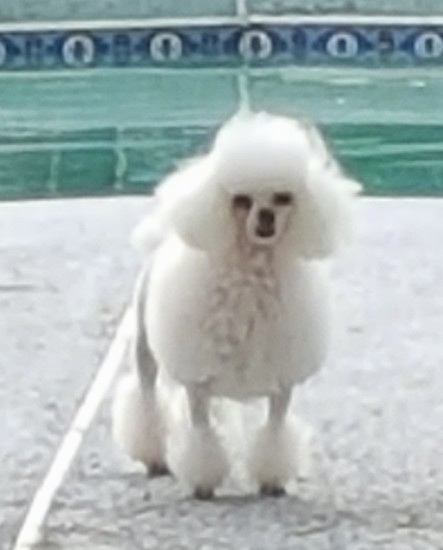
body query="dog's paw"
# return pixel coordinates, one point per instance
(139, 425)
(278, 456)
(198, 461)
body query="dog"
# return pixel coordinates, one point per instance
(235, 301)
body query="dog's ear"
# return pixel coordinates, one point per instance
(323, 217)
(194, 206)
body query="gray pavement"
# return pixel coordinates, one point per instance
(376, 408)
(65, 275)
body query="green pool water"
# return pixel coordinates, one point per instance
(108, 132)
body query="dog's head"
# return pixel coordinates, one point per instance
(268, 181)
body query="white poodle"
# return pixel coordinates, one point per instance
(235, 301)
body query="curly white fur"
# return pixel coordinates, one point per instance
(237, 302)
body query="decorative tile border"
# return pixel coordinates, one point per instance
(221, 42)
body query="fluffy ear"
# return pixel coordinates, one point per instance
(323, 215)
(195, 207)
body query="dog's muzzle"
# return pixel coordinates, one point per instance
(266, 223)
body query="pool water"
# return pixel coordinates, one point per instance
(119, 131)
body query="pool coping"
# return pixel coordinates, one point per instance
(245, 19)
(244, 39)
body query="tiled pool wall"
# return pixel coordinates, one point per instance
(224, 41)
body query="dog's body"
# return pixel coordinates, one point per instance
(241, 308)
(236, 304)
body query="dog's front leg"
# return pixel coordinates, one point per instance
(273, 460)
(201, 463)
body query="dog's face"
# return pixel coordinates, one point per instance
(262, 217)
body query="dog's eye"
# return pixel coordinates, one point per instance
(243, 202)
(283, 199)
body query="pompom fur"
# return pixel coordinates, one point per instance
(198, 459)
(280, 453)
(138, 424)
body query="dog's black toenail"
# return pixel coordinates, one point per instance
(271, 490)
(202, 493)
(157, 469)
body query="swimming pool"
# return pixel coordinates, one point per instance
(99, 108)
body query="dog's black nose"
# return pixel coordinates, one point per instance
(265, 223)
(266, 217)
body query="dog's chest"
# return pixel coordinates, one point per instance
(243, 308)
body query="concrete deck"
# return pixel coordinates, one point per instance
(377, 483)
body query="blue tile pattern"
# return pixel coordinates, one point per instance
(221, 43)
